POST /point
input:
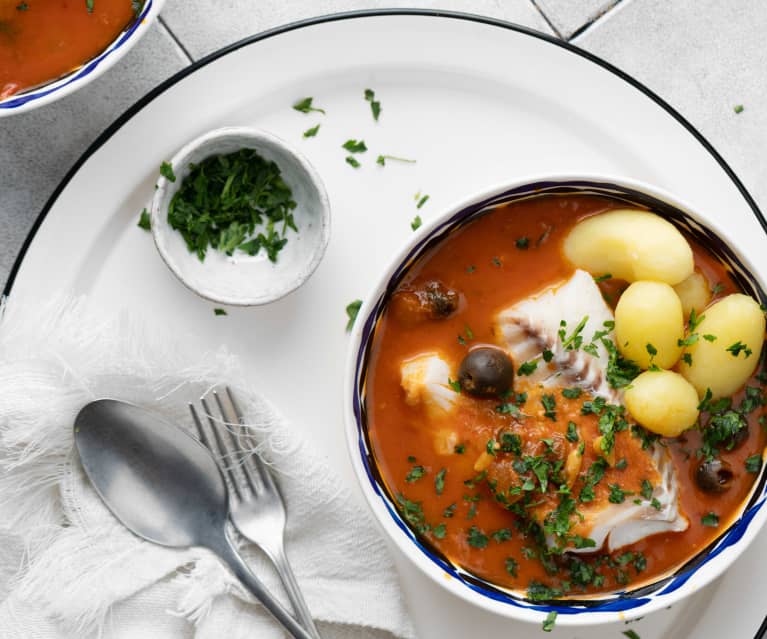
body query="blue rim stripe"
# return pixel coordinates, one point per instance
(615, 602)
(82, 71)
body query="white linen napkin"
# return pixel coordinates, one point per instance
(68, 568)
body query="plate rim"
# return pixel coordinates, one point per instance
(169, 82)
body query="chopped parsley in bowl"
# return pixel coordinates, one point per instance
(240, 217)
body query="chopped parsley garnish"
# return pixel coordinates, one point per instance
(738, 108)
(738, 347)
(511, 443)
(411, 459)
(710, 519)
(22, 7)
(646, 490)
(655, 503)
(351, 161)
(166, 170)
(145, 221)
(490, 447)
(512, 566)
(226, 199)
(709, 338)
(352, 308)
(375, 105)
(455, 384)
(89, 5)
(219, 311)
(415, 474)
(547, 355)
(603, 278)
(497, 261)
(651, 350)
(476, 538)
(413, 513)
(753, 464)
(310, 133)
(572, 432)
(460, 449)
(549, 407)
(423, 199)
(528, 553)
(574, 341)
(527, 368)
(548, 623)
(694, 320)
(594, 475)
(621, 464)
(721, 431)
(718, 288)
(631, 634)
(355, 146)
(439, 481)
(617, 494)
(305, 106)
(439, 531)
(381, 159)
(687, 359)
(416, 223)
(536, 591)
(571, 393)
(522, 243)
(501, 535)
(471, 268)
(449, 511)
(691, 339)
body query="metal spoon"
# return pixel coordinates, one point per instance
(164, 486)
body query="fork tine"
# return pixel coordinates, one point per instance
(221, 450)
(198, 425)
(263, 471)
(243, 466)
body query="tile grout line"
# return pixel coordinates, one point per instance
(587, 25)
(175, 39)
(546, 20)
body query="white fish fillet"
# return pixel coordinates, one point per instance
(626, 523)
(531, 326)
(426, 380)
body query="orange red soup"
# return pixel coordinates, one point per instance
(41, 40)
(509, 254)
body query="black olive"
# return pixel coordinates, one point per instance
(486, 372)
(714, 476)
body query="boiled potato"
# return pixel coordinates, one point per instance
(694, 293)
(663, 402)
(649, 317)
(630, 245)
(737, 323)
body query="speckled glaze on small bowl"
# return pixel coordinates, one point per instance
(690, 574)
(241, 279)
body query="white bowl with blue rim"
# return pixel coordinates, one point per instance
(687, 578)
(48, 92)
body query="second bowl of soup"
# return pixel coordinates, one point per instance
(556, 399)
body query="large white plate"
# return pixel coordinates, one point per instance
(476, 103)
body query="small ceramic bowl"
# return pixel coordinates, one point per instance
(78, 77)
(642, 599)
(241, 279)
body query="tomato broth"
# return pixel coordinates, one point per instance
(41, 40)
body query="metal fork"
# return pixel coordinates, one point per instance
(256, 506)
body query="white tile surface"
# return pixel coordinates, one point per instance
(568, 16)
(38, 148)
(704, 57)
(206, 25)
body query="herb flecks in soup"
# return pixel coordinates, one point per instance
(561, 397)
(41, 40)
